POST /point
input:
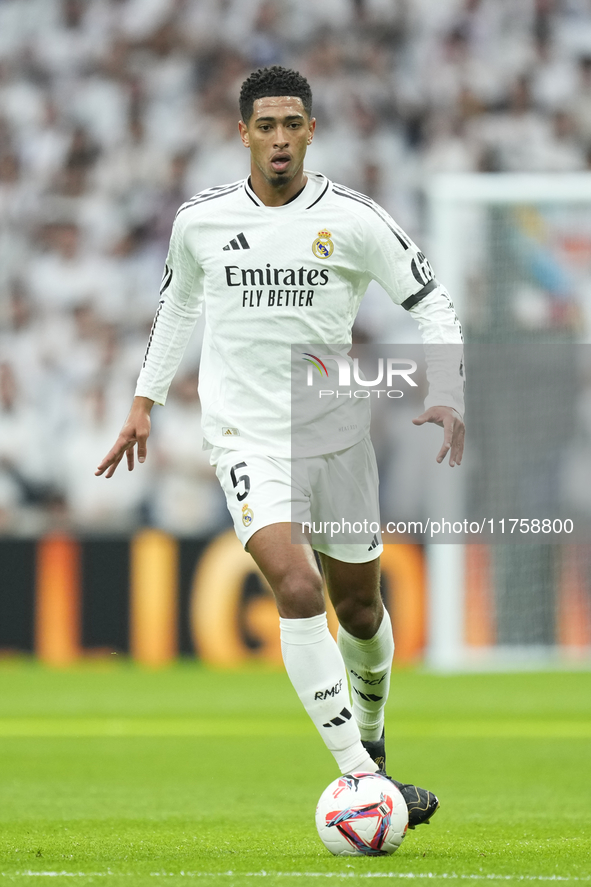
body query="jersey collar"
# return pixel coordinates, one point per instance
(314, 189)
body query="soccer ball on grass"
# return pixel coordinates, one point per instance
(361, 814)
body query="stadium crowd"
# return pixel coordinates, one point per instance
(114, 112)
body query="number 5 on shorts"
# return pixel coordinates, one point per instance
(244, 478)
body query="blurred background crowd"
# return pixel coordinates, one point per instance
(114, 112)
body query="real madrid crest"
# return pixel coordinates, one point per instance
(323, 246)
(247, 515)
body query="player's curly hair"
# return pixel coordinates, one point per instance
(273, 81)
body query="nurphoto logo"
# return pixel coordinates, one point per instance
(389, 372)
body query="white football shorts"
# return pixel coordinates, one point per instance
(333, 498)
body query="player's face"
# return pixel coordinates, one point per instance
(278, 134)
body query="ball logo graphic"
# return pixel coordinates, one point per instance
(362, 814)
(323, 246)
(247, 515)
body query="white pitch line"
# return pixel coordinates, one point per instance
(264, 874)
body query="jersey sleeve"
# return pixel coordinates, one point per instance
(398, 265)
(394, 260)
(181, 303)
(441, 333)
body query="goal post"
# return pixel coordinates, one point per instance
(514, 251)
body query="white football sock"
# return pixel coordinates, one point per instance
(369, 663)
(317, 672)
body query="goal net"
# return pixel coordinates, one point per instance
(515, 253)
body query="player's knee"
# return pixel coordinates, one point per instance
(360, 618)
(300, 596)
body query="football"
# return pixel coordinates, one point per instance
(361, 814)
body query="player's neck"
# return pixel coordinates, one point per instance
(273, 196)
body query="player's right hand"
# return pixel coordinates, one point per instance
(136, 430)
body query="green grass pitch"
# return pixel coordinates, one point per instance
(110, 774)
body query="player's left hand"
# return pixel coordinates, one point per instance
(454, 431)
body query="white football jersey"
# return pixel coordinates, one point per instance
(272, 277)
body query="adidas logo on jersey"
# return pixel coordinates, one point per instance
(238, 242)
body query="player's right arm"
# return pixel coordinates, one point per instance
(181, 299)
